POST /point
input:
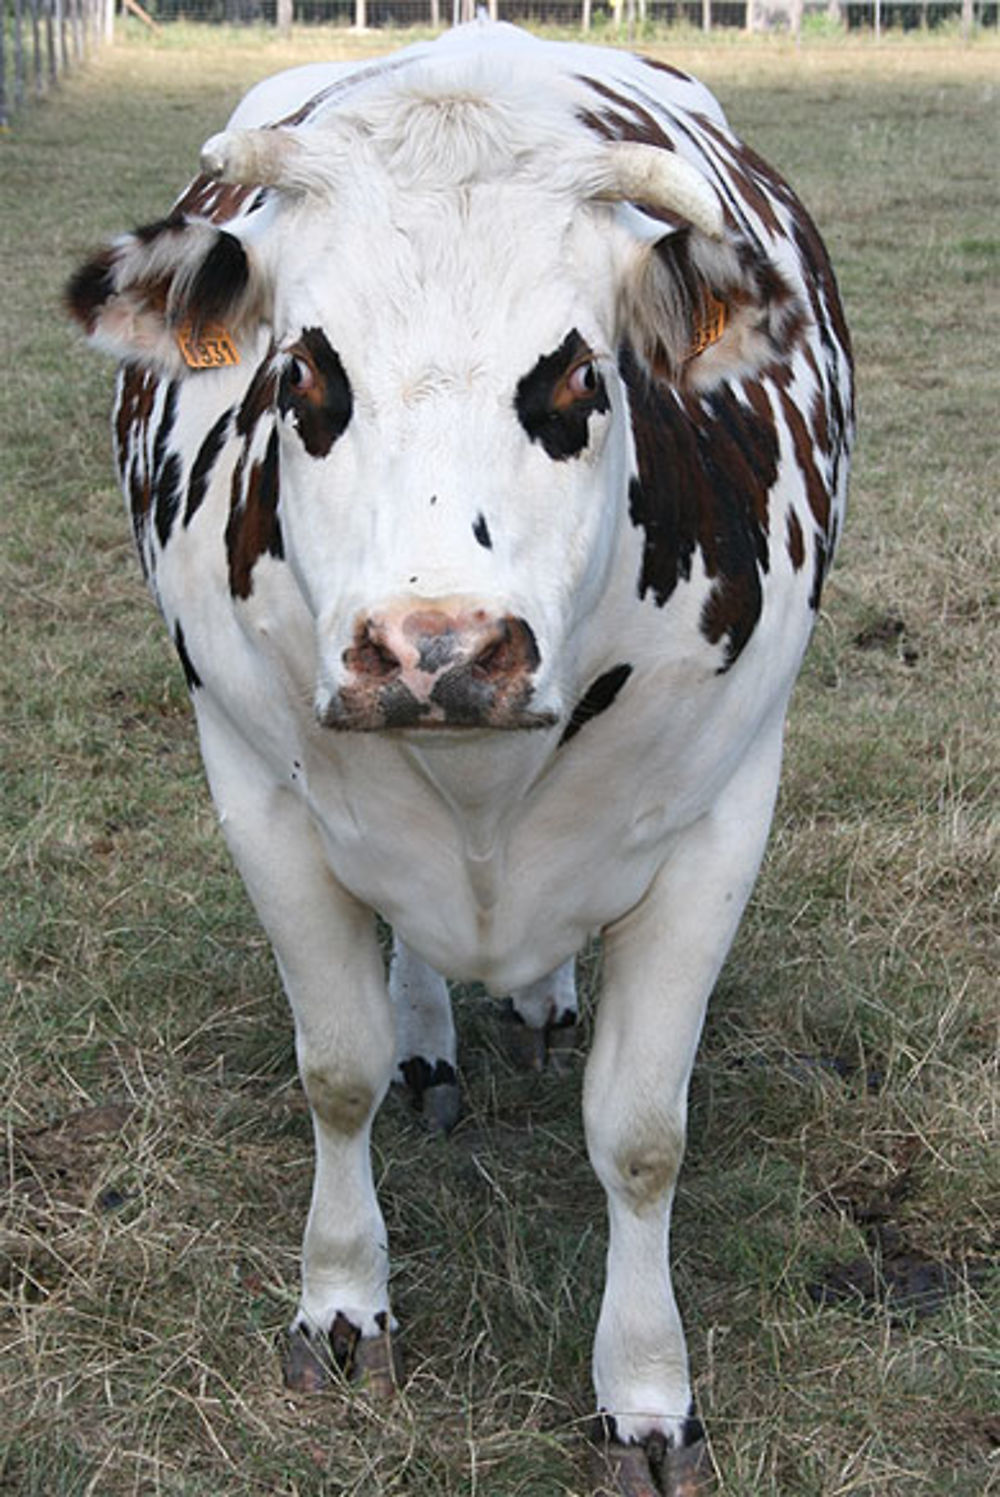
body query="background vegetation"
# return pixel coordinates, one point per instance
(836, 1236)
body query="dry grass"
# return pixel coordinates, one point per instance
(845, 1110)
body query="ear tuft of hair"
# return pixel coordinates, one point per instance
(697, 310)
(133, 295)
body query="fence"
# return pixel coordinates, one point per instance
(40, 40)
(626, 16)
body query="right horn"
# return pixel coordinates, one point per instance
(252, 158)
(640, 174)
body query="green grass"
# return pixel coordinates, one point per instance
(847, 1088)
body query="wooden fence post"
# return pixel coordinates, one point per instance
(50, 44)
(4, 121)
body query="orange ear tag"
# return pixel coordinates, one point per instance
(709, 327)
(211, 349)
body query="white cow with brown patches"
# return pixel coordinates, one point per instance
(484, 418)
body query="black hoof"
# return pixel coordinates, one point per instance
(434, 1092)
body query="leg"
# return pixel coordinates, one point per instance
(425, 1037)
(545, 1018)
(332, 970)
(661, 962)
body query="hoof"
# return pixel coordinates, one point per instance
(441, 1106)
(378, 1367)
(312, 1363)
(308, 1364)
(552, 1047)
(434, 1092)
(653, 1470)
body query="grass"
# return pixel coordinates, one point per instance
(844, 1111)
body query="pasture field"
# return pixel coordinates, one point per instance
(836, 1236)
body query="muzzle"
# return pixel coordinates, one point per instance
(447, 663)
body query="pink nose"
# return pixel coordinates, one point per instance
(437, 664)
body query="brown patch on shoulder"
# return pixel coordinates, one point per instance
(805, 456)
(134, 409)
(133, 414)
(253, 527)
(707, 464)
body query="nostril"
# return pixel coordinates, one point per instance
(495, 658)
(511, 650)
(370, 657)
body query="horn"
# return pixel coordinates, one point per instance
(253, 158)
(661, 179)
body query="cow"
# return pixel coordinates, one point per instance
(483, 416)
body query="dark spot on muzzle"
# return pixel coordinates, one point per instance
(437, 651)
(399, 708)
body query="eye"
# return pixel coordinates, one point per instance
(299, 375)
(582, 382)
(556, 399)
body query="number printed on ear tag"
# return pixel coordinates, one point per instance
(212, 348)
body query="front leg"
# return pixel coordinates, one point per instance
(425, 1037)
(660, 964)
(332, 970)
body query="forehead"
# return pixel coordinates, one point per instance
(484, 277)
(445, 221)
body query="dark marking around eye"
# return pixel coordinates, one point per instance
(561, 426)
(321, 412)
(482, 532)
(596, 699)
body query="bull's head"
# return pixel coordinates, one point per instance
(434, 315)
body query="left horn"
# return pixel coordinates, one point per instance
(252, 158)
(646, 174)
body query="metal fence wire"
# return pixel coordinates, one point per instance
(41, 39)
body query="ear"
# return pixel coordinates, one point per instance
(698, 310)
(176, 295)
